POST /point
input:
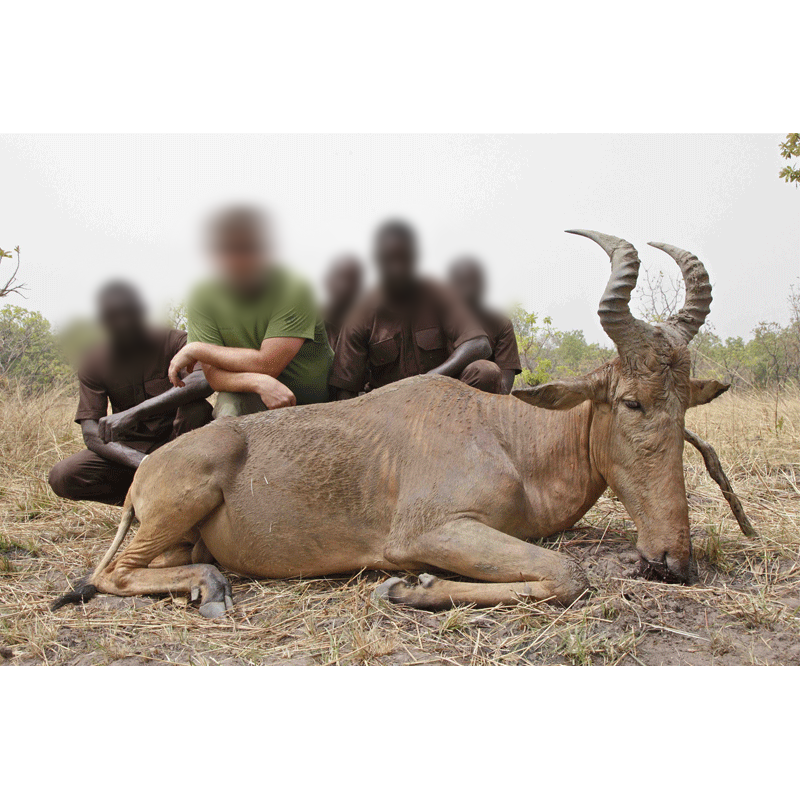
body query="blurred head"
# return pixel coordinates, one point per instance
(467, 279)
(343, 284)
(121, 313)
(396, 257)
(240, 245)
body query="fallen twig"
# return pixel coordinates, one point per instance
(715, 470)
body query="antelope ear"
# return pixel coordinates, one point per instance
(703, 392)
(563, 395)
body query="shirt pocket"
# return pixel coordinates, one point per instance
(432, 347)
(384, 353)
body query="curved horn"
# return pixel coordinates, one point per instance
(614, 310)
(695, 309)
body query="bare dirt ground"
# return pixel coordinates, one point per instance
(742, 608)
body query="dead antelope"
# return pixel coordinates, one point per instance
(430, 473)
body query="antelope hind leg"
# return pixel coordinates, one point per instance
(158, 561)
(186, 553)
(511, 568)
(159, 558)
(202, 582)
(174, 557)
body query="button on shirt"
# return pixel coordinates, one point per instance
(382, 342)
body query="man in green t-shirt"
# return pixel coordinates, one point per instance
(255, 329)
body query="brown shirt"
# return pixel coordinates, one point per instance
(332, 330)
(127, 381)
(383, 344)
(503, 340)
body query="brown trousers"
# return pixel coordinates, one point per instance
(483, 375)
(88, 476)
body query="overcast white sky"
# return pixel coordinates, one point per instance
(86, 208)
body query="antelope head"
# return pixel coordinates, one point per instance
(639, 402)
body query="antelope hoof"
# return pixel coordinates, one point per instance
(383, 591)
(398, 590)
(214, 593)
(213, 610)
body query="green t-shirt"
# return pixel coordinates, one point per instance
(284, 308)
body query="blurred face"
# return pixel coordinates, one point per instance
(241, 256)
(343, 284)
(396, 258)
(466, 279)
(122, 316)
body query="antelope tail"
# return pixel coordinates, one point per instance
(85, 589)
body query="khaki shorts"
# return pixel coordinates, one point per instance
(237, 404)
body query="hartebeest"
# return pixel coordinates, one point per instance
(428, 473)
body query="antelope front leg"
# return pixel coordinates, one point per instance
(513, 570)
(436, 594)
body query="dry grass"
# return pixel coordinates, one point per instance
(743, 607)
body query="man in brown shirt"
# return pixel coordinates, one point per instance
(343, 287)
(130, 371)
(409, 326)
(468, 282)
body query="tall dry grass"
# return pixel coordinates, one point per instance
(742, 608)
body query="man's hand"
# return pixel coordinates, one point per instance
(184, 359)
(274, 394)
(117, 452)
(114, 427)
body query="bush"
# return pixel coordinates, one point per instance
(30, 355)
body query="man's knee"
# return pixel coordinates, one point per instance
(86, 476)
(483, 375)
(228, 404)
(237, 404)
(62, 480)
(58, 479)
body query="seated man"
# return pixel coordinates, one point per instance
(409, 326)
(467, 281)
(130, 370)
(255, 329)
(343, 285)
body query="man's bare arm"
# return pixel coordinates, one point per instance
(463, 356)
(509, 375)
(113, 451)
(272, 392)
(114, 426)
(272, 359)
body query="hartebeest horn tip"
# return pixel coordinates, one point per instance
(695, 309)
(580, 232)
(608, 243)
(670, 249)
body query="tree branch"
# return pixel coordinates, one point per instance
(10, 287)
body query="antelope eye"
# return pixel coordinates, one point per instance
(633, 404)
